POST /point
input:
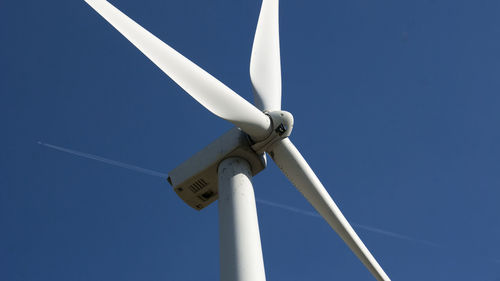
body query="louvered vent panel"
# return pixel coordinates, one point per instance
(198, 185)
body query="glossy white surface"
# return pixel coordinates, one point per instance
(265, 65)
(296, 169)
(240, 247)
(203, 87)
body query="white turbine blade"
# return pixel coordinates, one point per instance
(207, 90)
(295, 167)
(265, 68)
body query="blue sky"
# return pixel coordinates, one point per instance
(396, 107)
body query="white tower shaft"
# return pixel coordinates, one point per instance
(240, 249)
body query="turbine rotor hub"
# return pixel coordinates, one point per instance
(281, 124)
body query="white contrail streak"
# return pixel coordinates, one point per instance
(261, 201)
(105, 160)
(395, 235)
(288, 208)
(355, 225)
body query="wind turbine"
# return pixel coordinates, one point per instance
(223, 170)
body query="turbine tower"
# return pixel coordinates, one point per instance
(223, 170)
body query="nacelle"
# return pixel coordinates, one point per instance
(196, 180)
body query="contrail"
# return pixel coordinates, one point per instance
(288, 208)
(261, 201)
(105, 160)
(395, 235)
(355, 225)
